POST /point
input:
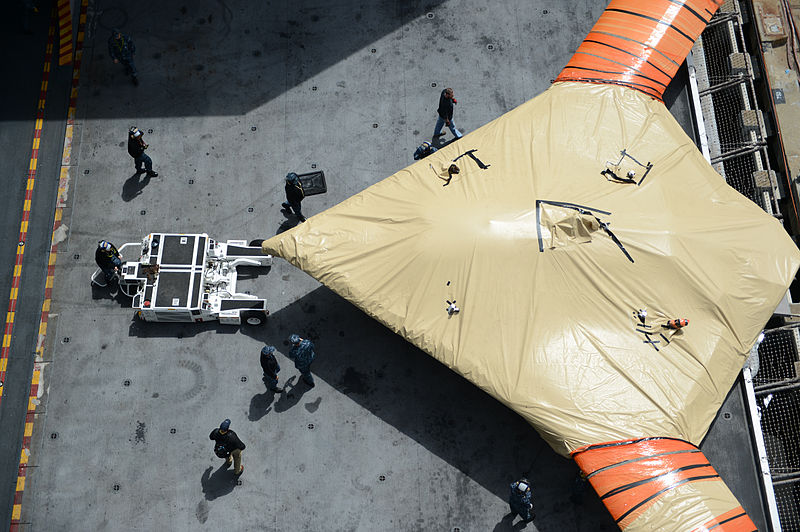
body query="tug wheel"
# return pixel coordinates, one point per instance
(254, 318)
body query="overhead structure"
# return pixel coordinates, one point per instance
(553, 271)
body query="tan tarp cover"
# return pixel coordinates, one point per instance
(553, 333)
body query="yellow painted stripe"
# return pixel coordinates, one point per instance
(23, 227)
(58, 212)
(17, 269)
(16, 513)
(3, 365)
(28, 429)
(46, 69)
(6, 340)
(36, 143)
(49, 283)
(35, 379)
(14, 293)
(23, 457)
(31, 404)
(52, 259)
(20, 483)
(39, 123)
(43, 328)
(26, 205)
(32, 167)
(10, 317)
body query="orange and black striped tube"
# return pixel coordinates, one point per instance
(631, 476)
(640, 44)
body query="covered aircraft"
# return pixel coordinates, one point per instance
(550, 271)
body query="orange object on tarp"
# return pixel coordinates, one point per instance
(666, 483)
(639, 44)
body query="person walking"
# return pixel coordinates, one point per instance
(136, 147)
(108, 259)
(445, 110)
(424, 150)
(521, 501)
(294, 195)
(271, 368)
(228, 446)
(121, 49)
(302, 353)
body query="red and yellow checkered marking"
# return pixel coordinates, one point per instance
(30, 415)
(64, 32)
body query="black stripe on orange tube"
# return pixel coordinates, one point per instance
(648, 39)
(612, 81)
(674, 474)
(642, 504)
(657, 21)
(693, 12)
(631, 475)
(627, 52)
(735, 520)
(637, 73)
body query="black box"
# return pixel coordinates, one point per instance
(313, 183)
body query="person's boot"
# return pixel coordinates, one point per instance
(151, 173)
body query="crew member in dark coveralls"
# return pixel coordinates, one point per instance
(271, 368)
(228, 446)
(108, 259)
(136, 147)
(121, 50)
(294, 195)
(521, 501)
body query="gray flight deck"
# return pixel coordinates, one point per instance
(233, 95)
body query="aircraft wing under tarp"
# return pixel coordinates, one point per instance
(549, 261)
(555, 268)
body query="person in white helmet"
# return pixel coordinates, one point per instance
(108, 259)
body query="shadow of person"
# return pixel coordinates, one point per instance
(260, 405)
(219, 483)
(506, 524)
(133, 186)
(292, 393)
(112, 292)
(290, 221)
(440, 143)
